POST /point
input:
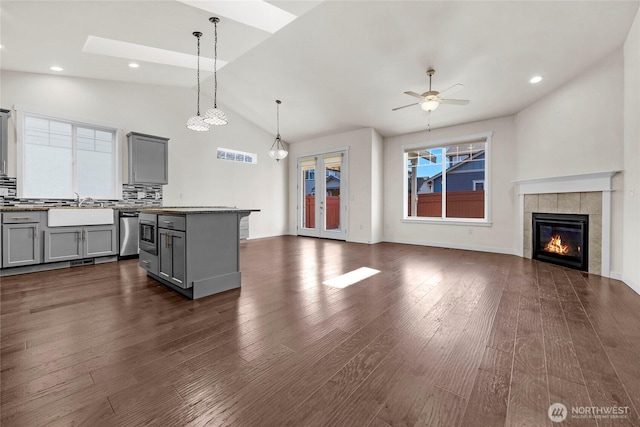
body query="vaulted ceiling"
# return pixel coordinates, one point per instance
(341, 65)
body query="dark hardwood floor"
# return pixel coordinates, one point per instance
(438, 338)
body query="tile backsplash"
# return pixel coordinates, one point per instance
(152, 196)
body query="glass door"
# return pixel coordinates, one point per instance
(321, 202)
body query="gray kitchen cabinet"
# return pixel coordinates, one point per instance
(70, 243)
(149, 262)
(148, 159)
(172, 256)
(4, 139)
(21, 242)
(100, 241)
(198, 249)
(63, 244)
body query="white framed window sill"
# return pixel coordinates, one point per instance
(448, 221)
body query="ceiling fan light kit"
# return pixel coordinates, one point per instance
(432, 99)
(197, 122)
(215, 116)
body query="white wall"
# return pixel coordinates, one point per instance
(500, 236)
(360, 144)
(565, 134)
(631, 222)
(577, 128)
(196, 177)
(377, 188)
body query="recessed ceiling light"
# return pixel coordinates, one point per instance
(535, 79)
(138, 52)
(56, 68)
(255, 13)
(134, 65)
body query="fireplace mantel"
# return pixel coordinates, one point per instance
(583, 183)
(599, 181)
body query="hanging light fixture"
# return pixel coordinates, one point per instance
(215, 116)
(197, 122)
(278, 151)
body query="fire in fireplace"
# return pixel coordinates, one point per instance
(561, 239)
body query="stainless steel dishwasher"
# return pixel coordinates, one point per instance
(129, 234)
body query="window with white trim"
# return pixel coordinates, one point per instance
(447, 181)
(59, 157)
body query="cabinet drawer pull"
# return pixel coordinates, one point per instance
(145, 262)
(22, 218)
(168, 222)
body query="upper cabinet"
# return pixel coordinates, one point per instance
(148, 156)
(4, 141)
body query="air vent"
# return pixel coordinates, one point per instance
(80, 262)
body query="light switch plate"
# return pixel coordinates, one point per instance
(141, 194)
(4, 192)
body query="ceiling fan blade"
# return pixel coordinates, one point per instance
(404, 106)
(453, 89)
(454, 101)
(417, 95)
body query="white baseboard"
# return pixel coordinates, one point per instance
(630, 283)
(615, 275)
(504, 251)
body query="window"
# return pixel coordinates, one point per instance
(478, 185)
(58, 158)
(447, 181)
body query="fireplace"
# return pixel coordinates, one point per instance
(561, 239)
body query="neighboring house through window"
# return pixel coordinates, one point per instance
(448, 180)
(59, 157)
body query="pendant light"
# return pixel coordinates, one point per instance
(197, 122)
(215, 116)
(278, 151)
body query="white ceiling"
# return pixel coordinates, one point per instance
(342, 65)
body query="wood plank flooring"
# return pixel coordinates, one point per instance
(439, 337)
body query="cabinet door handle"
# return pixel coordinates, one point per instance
(77, 236)
(35, 232)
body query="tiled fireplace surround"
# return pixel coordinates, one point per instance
(588, 194)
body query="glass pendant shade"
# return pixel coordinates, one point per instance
(198, 124)
(215, 116)
(430, 105)
(277, 151)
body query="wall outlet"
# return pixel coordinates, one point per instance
(4, 192)
(470, 230)
(141, 195)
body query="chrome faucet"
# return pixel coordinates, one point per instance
(80, 201)
(86, 199)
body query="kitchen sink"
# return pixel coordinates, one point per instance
(87, 216)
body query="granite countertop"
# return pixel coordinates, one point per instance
(151, 209)
(197, 210)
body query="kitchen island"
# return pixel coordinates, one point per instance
(194, 251)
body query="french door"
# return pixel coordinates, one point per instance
(322, 190)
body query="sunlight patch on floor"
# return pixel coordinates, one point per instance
(351, 277)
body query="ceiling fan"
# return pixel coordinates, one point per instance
(430, 100)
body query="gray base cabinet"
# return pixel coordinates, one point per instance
(71, 243)
(21, 244)
(21, 240)
(198, 254)
(172, 257)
